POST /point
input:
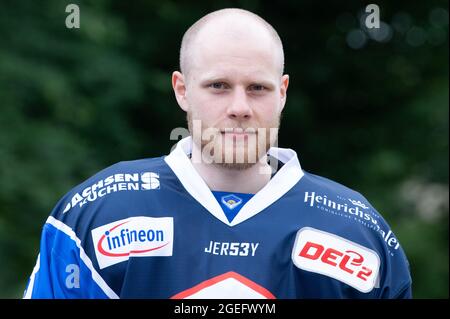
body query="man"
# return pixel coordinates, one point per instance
(222, 216)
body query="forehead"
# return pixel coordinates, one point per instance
(243, 48)
(222, 58)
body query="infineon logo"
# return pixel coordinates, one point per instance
(336, 257)
(114, 183)
(133, 237)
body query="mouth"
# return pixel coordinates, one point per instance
(236, 132)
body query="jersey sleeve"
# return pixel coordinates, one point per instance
(63, 270)
(67, 264)
(397, 283)
(406, 293)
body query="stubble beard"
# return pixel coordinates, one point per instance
(235, 157)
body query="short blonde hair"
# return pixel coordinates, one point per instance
(191, 34)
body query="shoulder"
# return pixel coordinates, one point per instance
(339, 202)
(330, 186)
(319, 191)
(348, 217)
(111, 184)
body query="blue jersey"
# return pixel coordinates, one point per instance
(153, 229)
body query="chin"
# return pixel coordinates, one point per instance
(237, 158)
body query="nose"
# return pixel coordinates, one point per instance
(239, 109)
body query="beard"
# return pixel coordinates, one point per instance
(229, 151)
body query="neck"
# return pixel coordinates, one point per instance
(224, 179)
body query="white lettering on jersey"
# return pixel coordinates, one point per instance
(112, 184)
(231, 249)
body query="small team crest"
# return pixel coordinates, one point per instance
(231, 201)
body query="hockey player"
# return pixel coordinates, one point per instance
(226, 214)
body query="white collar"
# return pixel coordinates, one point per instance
(280, 184)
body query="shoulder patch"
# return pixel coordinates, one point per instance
(336, 257)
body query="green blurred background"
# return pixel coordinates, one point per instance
(368, 109)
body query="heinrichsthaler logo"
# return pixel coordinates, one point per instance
(114, 183)
(133, 237)
(358, 210)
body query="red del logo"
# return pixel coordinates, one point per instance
(325, 253)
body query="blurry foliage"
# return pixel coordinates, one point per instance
(73, 101)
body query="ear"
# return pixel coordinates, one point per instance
(283, 89)
(179, 88)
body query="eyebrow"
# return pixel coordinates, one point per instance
(214, 79)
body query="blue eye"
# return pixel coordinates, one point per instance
(257, 87)
(217, 85)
